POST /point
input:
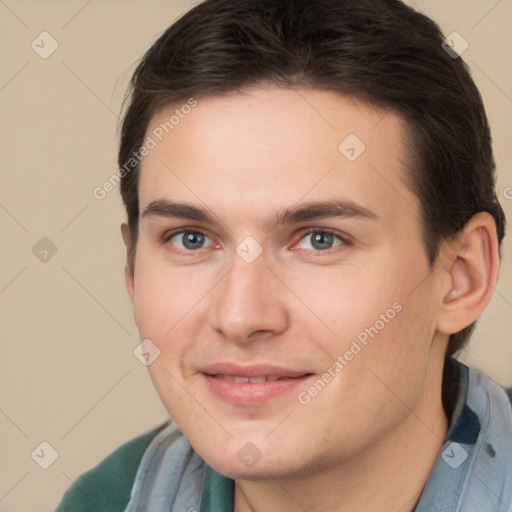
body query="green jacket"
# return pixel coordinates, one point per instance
(107, 486)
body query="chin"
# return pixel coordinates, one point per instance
(247, 463)
(236, 471)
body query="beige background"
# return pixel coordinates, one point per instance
(69, 376)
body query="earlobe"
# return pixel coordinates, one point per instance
(128, 274)
(472, 270)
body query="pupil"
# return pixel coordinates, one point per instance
(193, 240)
(322, 240)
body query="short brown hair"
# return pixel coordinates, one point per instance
(380, 51)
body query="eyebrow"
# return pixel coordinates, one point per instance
(293, 215)
(164, 208)
(323, 209)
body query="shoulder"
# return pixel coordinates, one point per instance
(107, 486)
(494, 391)
(493, 456)
(491, 401)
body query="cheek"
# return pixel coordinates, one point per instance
(153, 307)
(170, 309)
(381, 380)
(346, 300)
(164, 297)
(390, 371)
(374, 323)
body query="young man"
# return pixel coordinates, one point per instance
(312, 233)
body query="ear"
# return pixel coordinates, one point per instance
(471, 263)
(128, 274)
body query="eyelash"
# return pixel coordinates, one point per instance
(166, 237)
(343, 237)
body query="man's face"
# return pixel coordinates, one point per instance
(269, 251)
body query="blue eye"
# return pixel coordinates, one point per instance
(319, 241)
(190, 240)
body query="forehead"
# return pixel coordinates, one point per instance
(271, 148)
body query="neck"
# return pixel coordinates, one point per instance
(388, 476)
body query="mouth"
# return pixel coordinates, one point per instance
(240, 379)
(252, 385)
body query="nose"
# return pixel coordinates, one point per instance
(250, 303)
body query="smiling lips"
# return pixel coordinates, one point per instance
(251, 385)
(235, 378)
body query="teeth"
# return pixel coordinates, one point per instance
(236, 378)
(258, 379)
